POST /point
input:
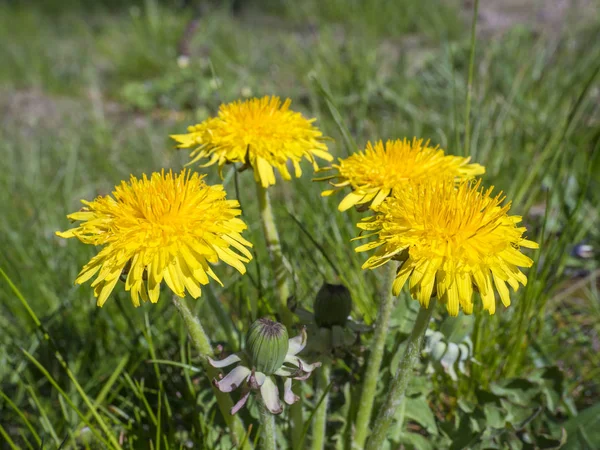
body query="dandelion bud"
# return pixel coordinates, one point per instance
(267, 345)
(333, 305)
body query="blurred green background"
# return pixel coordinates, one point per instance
(90, 91)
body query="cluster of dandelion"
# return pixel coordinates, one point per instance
(432, 222)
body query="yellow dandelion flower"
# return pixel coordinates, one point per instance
(449, 240)
(378, 170)
(168, 227)
(261, 133)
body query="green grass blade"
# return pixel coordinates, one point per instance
(61, 360)
(349, 141)
(28, 424)
(108, 385)
(300, 444)
(467, 148)
(44, 417)
(7, 438)
(174, 363)
(65, 396)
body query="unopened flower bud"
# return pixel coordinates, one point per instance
(333, 305)
(267, 345)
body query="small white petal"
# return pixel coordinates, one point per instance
(270, 395)
(231, 359)
(288, 395)
(285, 371)
(297, 343)
(256, 379)
(303, 366)
(233, 379)
(260, 378)
(240, 404)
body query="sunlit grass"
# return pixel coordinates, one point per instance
(67, 132)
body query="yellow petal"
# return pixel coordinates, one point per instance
(211, 274)
(465, 292)
(105, 290)
(517, 258)
(86, 273)
(380, 197)
(529, 244)
(134, 275)
(452, 298)
(135, 294)
(297, 169)
(265, 172)
(233, 261)
(350, 200)
(153, 289)
(189, 258)
(323, 155)
(185, 140)
(401, 276)
(369, 246)
(243, 250)
(173, 276)
(502, 290)
(188, 279)
(82, 215)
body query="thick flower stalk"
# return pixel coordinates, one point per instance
(450, 240)
(269, 353)
(373, 174)
(376, 353)
(263, 134)
(167, 228)
(395, 392)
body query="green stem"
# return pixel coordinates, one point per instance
(269, 432)
(282, 288)
(278, 262)
(202, 344)
(369, 386)
(467, 149)
(320, 417)
(395, 394)
(476, 369)
(7, 438)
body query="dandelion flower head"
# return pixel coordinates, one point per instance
(449, 240)
(166, 227)
(261, 133)
(378, 170)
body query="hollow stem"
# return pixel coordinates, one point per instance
(203, 346)
(282, 288)
(369, 387)
(395, 394)
(269, 432)
(320, 418)
(278, 262)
